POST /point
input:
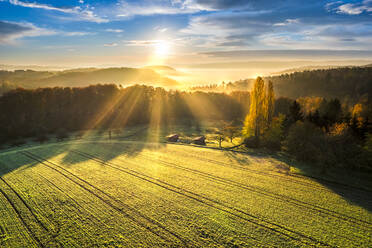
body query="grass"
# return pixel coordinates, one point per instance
(125, 192)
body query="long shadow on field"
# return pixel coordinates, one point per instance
(129, 145)
(149, 138)
(13, 162)
(354, 187)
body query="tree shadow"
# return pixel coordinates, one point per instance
(129, 144)
(353, 186)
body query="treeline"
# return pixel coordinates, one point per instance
(6, 86)
(29, 113)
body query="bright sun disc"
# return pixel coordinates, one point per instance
(161, 49)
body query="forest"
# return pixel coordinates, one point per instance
(340, 132)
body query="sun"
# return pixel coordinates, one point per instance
(161, 49)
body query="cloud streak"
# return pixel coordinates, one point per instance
(11, 31)
(79, 13)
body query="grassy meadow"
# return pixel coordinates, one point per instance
(135, 190)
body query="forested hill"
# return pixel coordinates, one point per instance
(348, 83)
(84, 77)
(353, 83)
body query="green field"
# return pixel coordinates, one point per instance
(121, 193)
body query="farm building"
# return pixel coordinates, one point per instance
(172, 138)
(199, 140)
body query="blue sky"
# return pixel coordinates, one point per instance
(117, 32)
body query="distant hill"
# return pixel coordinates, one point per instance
(307, 68)
(165, 70)
(31, 67)
(85, 76)
(352, 84)
(160, 67)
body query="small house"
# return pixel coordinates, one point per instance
(199, 140)
(172, 137)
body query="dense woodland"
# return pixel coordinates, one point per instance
(25, 113)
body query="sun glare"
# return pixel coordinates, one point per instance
(162, 49)
(160, 52)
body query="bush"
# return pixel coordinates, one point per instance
(306, 142)
(345, 148)
(79, 135)
(41, 138)
(273, 137)
(251, 142)
(61, 135)
(18, 142)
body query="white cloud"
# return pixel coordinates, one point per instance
(75, 33)
(43, 6)
(147, 8)
(114, 30)
(287, 22)
(355, 9)
(85, 14)
(142, 42)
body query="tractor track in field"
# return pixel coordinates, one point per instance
(28, 228)
(65, 173)
(73, 200)
(257, 190)
(26, 205)
(297, 179)
(225, 164)
(268, 194)
(214, 204)
(294, 178)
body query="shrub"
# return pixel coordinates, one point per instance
(306, 142)
(251, 142)
(18, 142)
(344, 146)
(41, 138)
(273, 137)
(61, 134)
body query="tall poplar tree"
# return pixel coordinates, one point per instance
(255, 120)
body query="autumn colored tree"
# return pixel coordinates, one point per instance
(256, 120)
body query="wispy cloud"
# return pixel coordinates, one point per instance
(11, 31)
(160, 29)
(75, 33)
(350, 8)
(142, 42)
(148, 8)
(114, 30)
(110, 44)
(85, 14)
(287, 22)
(43, 6)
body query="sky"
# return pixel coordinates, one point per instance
(182, 32)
